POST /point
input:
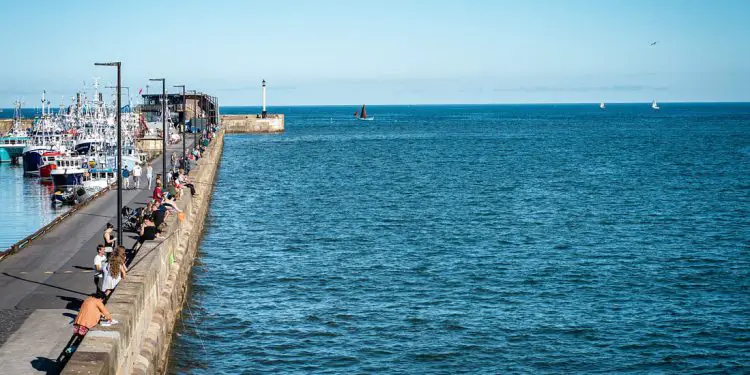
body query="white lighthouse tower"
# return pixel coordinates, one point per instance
(263, 112)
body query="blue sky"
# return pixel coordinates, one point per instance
(384, 52)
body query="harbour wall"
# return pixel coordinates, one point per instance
(7, 124)
(273, 123)
(148, 302)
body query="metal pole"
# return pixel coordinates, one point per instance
(119, 149)
(184, 117)
(119, 158)
(195, 133)
(164, 132)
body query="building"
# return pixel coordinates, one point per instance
(197, 105)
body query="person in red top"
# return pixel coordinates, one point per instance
(158, 193)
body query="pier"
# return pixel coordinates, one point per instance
(44, 284)
(272, 123)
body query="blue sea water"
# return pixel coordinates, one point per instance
(477, 239)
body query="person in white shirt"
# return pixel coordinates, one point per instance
(149, 175)
(100, 260)
(137, 175)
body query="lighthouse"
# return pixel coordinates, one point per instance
(263, 112)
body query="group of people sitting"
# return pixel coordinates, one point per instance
(152, 218)
(110, 263)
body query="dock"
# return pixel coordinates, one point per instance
(44, 284)
(272, 123)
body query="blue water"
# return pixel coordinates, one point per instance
(25, 204)
(478, 239)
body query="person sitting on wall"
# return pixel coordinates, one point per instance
(158, 215)
(173, 189)
(92, 310)
(185, 180)
(148, 231)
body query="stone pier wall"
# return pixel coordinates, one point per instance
(7, 124)
(148, 302)
(273, 123)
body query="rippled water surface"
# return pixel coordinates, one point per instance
(25, 205)
(478, 239)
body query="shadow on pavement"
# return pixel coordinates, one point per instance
(45, 284)
(73, 303)
(46, 364)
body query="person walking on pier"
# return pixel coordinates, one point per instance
(137, 175)
(149, 175)
(100, 260)
(125, 178)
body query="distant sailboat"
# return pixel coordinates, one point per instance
(602, 106)
(654, 106)
(362, 115)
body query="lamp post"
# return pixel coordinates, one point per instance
(163, 129)
(184, 116)
(119, 151)
(195, 133)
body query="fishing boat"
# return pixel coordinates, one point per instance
(602, 106)
(98, 178)
(89, 144)
(13, 143)
(49, 163)
(11, 147)
(69, 171)
(362, 114)
(655, 106)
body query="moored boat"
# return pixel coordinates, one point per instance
(13, 143)
(49, 163)
(69, 171)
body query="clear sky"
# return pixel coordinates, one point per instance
(384, 52)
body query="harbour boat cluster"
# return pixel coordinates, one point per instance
(74, 147)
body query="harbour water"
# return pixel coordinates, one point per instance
(477, 239)
(25, 203)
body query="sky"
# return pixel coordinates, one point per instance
(382, 52)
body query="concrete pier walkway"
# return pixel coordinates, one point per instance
(43, 285)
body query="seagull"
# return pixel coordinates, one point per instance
(653, 44)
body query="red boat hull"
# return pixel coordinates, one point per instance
(44, 171)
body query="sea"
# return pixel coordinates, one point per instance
(478, 239)
(482, 239)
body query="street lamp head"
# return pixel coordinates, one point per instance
(156, 79)
(116, 63)
(183, 86)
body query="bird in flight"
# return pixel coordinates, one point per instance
(653, 44)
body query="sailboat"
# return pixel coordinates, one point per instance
(654, 106)
(362, 114)
(602, 106)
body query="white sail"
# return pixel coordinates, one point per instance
(654, 105)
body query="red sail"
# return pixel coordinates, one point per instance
(363, 113)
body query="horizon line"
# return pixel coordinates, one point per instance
(490, 103)
(468, 104)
